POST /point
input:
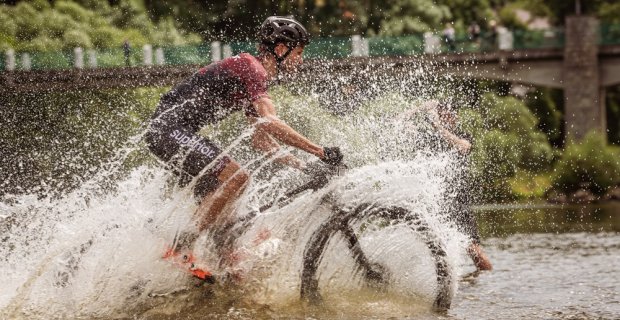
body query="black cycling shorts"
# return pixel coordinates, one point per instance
(187, 154)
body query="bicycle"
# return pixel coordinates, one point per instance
(344, 222)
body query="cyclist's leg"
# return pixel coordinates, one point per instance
(466, 223)
(188, 154)
(480, 259)
(231, 181)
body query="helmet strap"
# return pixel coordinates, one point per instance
(280, 59)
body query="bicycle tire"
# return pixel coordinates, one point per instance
(373, 273)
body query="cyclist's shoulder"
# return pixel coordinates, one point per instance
(246, 57)
(242, 66)
(240, 60)
(248, 69)
(246, 63)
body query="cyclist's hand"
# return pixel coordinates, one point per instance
(463, 146)
(332, 156)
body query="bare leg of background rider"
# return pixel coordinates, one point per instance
(479, 258)
(466, 223)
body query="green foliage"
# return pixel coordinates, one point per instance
(472, 122)
(339, 18)
(8, 31)
(168, 35)
(7, 26)
(127, 14)
(95, 5)
(543, 105)
(507, 114)
(64, 24)
(77, 38)
(27, 21)
(41, 43)
(538, 154)
(463, 12)
(609, 12)
(508, 9)
(73, 10)
(106, 37)
(205, 17)
(55, 23)
(590, 164)
(411, 16)
(536, 7)
(499, 154)
(508, 17)
(506, 140)
(511, 115)
(39, 4)
(229, 19)
(136, 38)
(528, 185)
(605, 9)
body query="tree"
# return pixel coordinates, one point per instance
(607, 10)
(38, 26)
(467, 11)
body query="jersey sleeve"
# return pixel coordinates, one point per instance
(254, 77)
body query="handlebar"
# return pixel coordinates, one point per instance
(321, 174)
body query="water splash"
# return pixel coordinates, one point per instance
(95, 252)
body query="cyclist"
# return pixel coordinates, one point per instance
(237, 83)
(443, 119)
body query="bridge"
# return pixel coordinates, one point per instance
(581, 65)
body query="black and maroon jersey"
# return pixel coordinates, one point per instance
(213, 93)
(208, 96)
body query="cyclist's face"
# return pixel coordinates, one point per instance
(293, 60)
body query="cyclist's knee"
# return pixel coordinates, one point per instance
(244, 176)
(238, 180)
(231, 177)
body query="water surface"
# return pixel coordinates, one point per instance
(551, 262)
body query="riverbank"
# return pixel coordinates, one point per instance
(501, 220)
(526, 186)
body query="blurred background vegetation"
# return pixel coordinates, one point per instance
(519, 150)
(56, 24)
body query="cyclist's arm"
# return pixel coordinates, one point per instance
(264, 142)
(269, 122)
(430, 107)
(462, 145)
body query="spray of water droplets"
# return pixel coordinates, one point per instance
(94, 251)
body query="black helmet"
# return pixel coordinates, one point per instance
(285, 29)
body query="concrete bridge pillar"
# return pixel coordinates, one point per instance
(584, 107)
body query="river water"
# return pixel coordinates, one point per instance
(99, 260)
(551, 262)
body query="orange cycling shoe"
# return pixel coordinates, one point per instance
(187, 261)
